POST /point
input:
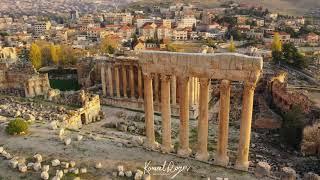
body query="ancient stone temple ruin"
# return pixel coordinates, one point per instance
(188, 70)
(123, 86)
(22, 79)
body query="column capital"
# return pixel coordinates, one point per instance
(249, 85)
(165, 78)
(183, 79)
(224, 85)
(204, 81)
(147, 76)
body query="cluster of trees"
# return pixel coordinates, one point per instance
(287, 54)
(109, 45)
(43, 53)
(304, 30)
(258, 12)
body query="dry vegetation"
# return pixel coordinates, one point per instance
(311, 140)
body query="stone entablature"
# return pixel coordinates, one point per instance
(185, 67)
(234, 67)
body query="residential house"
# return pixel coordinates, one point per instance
(148, 30)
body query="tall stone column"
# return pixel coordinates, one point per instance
(202, 151)
(222, 158)
(132, 90)
(184, 149)
(242, 162)
(156, 88)
(124, 81)
(31, 89)
(196, 89)
(149, 113)
(173, 90)
(116, 74)
(140, 84)
(166, 146)
(37, 88)
(110, 79)
(103, 81)
(192, 90)
(26, 92)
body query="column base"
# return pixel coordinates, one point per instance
(153, 146)
(202, 156)
(167, 149)
(242, 166)
(221, 161)
(184, 152)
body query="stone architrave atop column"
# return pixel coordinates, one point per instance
(222, 158)
(242, 162)
(150, 142)
(110, 79)
(132, 90)
(166, 146)
(116, 74)
(124, 81)
(202, 151)
(103, 81)
(140, 94)
(173, 90)
(184, 149)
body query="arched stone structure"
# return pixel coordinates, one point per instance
(186, 67)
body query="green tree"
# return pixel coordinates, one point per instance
(35, 56)
(292, 126)
(232, 47)
(293, 57)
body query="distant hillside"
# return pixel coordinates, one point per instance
(291, 7)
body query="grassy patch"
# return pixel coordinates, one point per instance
(69, 176)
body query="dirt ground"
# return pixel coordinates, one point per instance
(107, 146)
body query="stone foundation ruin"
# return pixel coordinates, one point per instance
(21, 79)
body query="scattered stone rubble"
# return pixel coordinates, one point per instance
(19, 163)
(29, 110)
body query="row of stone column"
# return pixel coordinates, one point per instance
(33, 89)
(111, 74)
(202, 154)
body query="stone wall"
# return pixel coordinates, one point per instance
(284, 99)
(87, 110)
(8, 53)
(22, 79)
